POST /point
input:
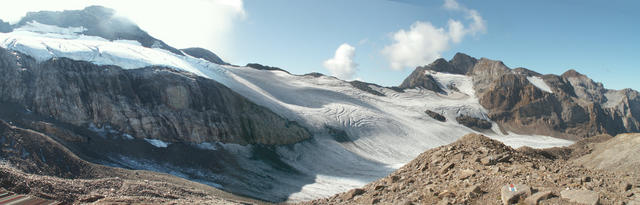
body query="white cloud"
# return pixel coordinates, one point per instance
(456, 31)
(478, 24)
(451, 5)
(186, 23)
(342, 65)
(423, 42)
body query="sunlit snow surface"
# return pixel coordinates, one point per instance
(384, 132)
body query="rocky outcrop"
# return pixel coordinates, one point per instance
(512, 193)
(585, 197)
(435, 115)
(366, 87)
(152, 102)
(204, 54)
(473, 122)
(265, 67)
(98, 21)
(454, 174)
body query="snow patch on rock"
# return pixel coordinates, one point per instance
(539, 82)
(157, 143)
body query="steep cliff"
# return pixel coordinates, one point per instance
(153, 102)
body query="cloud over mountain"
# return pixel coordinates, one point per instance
(342, 64)
(423, 42)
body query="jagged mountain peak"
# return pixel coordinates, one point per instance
(96, 21)
(463, 62)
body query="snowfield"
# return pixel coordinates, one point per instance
(383, 132)
(539, 82)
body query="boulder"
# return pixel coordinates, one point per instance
(581, 196)
(537, 197)
(353, 193)
(511, 193)
(474, 190)
(436, 116)
(466, 173)
(446, 168)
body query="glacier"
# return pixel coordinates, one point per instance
(383, 132)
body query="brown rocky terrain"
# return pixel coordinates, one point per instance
(576, 108)
(33, 163)
(479, 170)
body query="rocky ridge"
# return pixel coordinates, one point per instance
(204, 54)
(478, 170)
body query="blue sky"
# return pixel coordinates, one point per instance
(597, 38)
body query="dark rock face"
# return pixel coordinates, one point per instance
(314, 74)
(462, 63)
(435, 115)
(5, 27)
(98, 21)
(264, 67)
(153, 102)
(204, 54)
